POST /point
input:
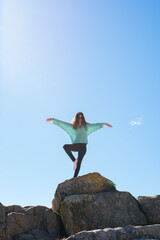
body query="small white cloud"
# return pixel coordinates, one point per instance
(138, 121)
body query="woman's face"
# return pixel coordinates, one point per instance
(80, 118)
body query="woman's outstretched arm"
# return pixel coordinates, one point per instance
(107, 124)
(92, 127)
(64, 125)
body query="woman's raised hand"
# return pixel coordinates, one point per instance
(107, 124)
(49, 119)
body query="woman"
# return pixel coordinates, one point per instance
(78, 131)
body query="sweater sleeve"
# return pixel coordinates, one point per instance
(64, 125)
(93, 127)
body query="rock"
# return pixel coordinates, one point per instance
(18, 223)
(2, 222)
(89, 207)
(37, 234)
(14, 208)
(151, 208)
(38, 210)
(120, 233)
(2, 231)
(39, 217)
(51, 222)
(100, 210)
(30, 210)
(89, 183)
(2, 213)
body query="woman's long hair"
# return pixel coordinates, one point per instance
(75, 121)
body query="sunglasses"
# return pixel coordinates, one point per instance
(80, 117)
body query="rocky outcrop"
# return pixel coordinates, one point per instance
(100, 210)
(39, 222)
(92, 201)
(89, 183)
(151, 208)
(120, 233)
(87, 207)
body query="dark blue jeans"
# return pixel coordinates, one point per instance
(76, 147)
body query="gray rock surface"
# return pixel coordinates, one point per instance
(20, 223)
(120, 233)
(51, 222)
(151, 208)
(32, 222)
(38, 210)
(14, 208)
(89, 183)
(2, 230)
(37, 234)
(89, 207)
(2, 213)
(100, 210)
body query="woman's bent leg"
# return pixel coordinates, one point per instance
(71, 147)
(81, 153)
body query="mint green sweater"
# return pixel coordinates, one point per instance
(79, 135)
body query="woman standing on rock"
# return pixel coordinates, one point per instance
(78, 131)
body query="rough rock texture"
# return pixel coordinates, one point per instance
(90, 202)
(2, 231)
(151, 208)
(36, 234)
(120, 233)
(29, 223)
(89, 183)
(2, 213)
(100, 210)
(15, 208)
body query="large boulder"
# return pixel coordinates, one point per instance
(120, 233)
(151, 208)
(89, 183)
(100, 210)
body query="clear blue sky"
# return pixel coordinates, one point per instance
(59, 57)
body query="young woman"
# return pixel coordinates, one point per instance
(78, 131)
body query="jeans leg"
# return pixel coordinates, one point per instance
(81, 154)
